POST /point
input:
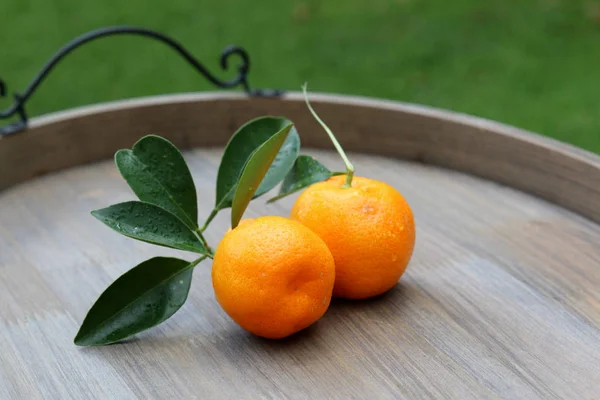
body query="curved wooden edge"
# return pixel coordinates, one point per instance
(557, 172)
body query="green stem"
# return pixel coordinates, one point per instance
(336, 144)
(199, 260)
(212, 215)
(201, 238)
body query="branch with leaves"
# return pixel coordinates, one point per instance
(261, 154)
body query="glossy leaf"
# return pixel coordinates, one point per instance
(157, 173)
(253, 173)
(242, 145)
(305, 172)
(150, 223)
(141, 298)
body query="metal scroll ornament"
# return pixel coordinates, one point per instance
(241, 79)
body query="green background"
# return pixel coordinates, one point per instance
(530, 63)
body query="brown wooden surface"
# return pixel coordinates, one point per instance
(501, 299)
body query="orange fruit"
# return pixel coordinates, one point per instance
(273, 276)
(369, 228)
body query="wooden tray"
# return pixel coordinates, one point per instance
(501, 299)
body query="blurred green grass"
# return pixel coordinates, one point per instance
(534, 64)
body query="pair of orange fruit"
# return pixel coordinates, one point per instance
(275, 276)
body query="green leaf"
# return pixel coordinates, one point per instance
(157, 173)
(242, 145)
(253, 173)
(141, 298)
(305, 172)
(150, 223)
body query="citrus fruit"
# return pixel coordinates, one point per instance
(273, 276)
(368, 227)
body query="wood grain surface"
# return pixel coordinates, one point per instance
(501, 299)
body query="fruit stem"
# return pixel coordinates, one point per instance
(213, 214)
(336, 144)
(199, 260)
(200, 237)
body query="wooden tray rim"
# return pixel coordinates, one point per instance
(560, 166)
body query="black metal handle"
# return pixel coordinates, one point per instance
(18, 108)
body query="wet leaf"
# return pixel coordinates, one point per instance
(157, 173)
(254, 171)
(143, 297)
(242, 145)
(305, 172)
(150, 223)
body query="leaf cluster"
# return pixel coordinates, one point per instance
(261, 154)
